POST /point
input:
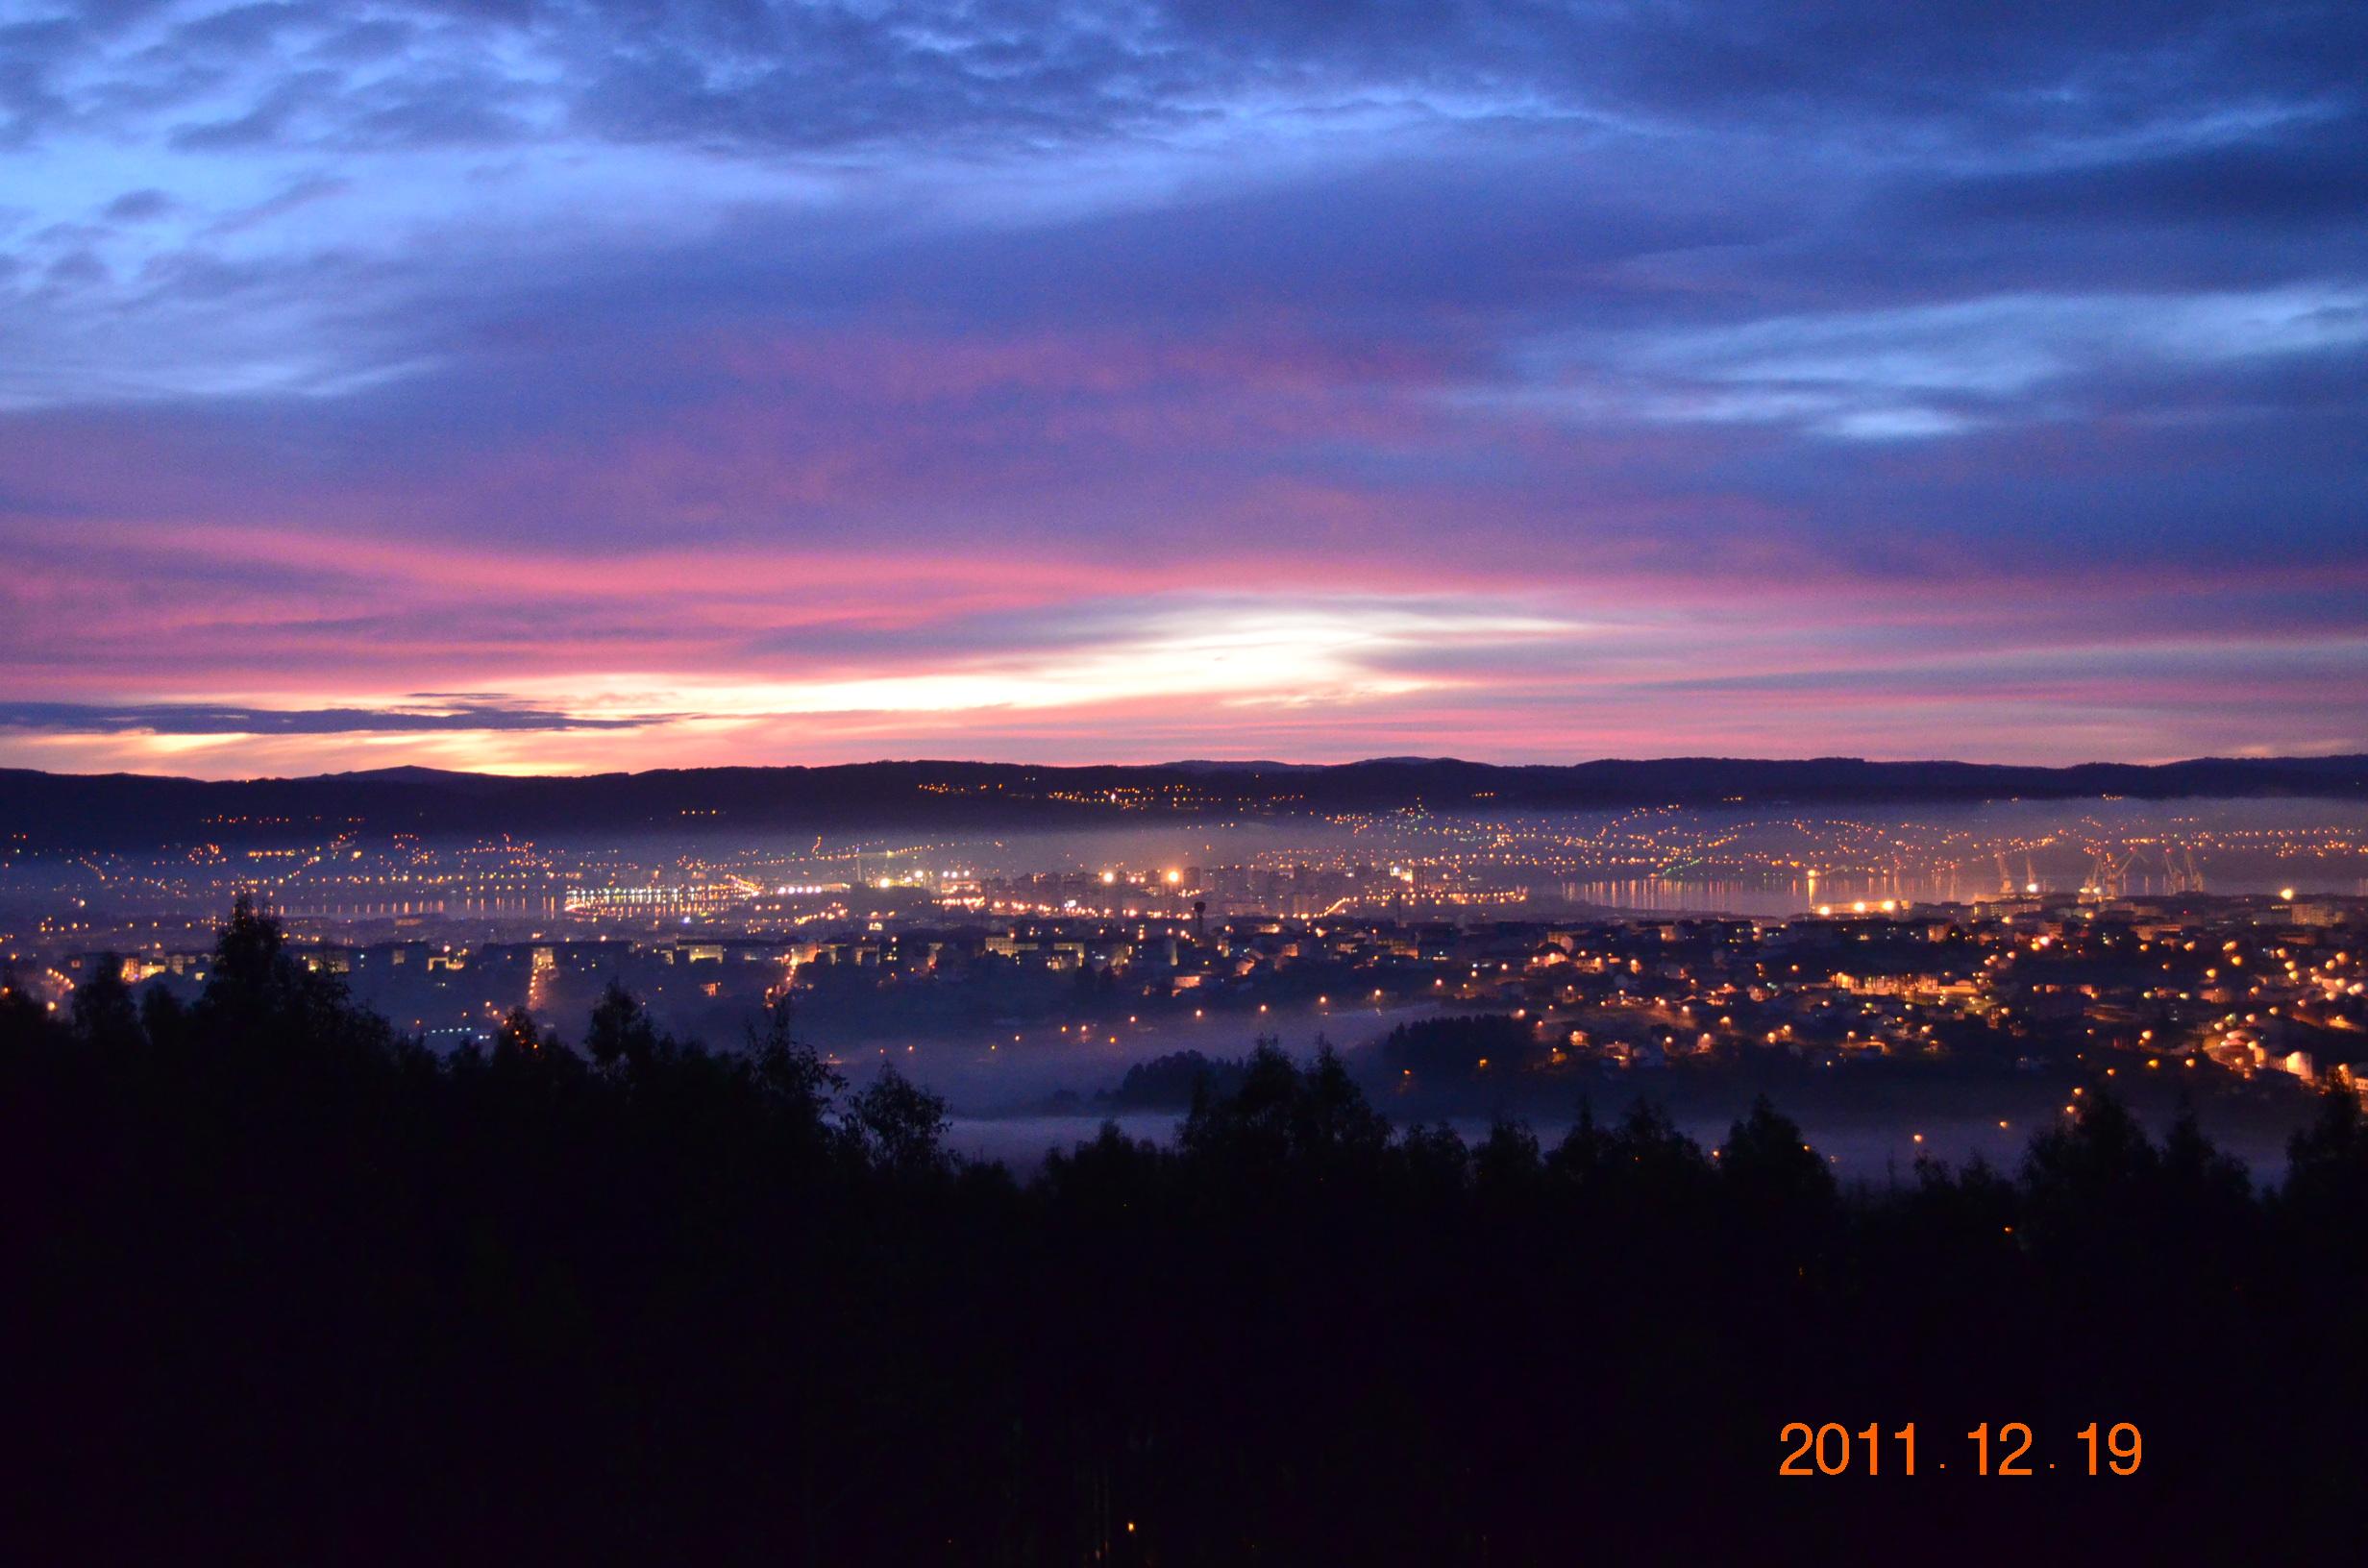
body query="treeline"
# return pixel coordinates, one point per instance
(1453, 1048)
(284, 1282)
(1171, 1081)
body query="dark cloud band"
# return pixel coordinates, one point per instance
(192, 719)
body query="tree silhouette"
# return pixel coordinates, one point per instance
(2327, 1172)
(1507, 1163)
(105, 1014)
(621, 1034)
(1769, 1167)
(787, 1070)
(516, 1037)
(899, 1125)
(23, 1022)
(285, 1286)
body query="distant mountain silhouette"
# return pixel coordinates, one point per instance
(126, 810)
(442, 778)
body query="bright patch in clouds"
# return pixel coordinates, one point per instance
(1225, 652)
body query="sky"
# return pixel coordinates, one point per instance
(577, 386)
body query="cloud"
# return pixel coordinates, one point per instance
(138, 206)
(812, 76)
(865, 376)
(1937, 369)
(195, 719)
(2308, 176)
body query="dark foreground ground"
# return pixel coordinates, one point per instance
(280, 1288)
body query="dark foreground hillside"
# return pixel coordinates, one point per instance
(284, 1286)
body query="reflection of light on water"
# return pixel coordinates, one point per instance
(1774, 896)
(1778, 897)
